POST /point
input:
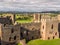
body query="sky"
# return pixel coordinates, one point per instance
(30, 5)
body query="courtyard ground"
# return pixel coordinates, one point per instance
(44, 42)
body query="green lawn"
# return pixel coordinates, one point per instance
(44, 42)
(19, 44)
(24, 18)
(24, 21)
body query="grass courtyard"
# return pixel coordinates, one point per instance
(24, 18)
(44, 42)
(24, 21)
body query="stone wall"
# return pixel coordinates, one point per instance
(5, 20)
(30, 31)
(49, 29)
(23, 42)
(12, 16)
(37, 17)
(10, 34)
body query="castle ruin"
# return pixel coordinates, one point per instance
(43, 27)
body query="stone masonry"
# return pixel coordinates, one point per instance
(9, 34)
(43, 27)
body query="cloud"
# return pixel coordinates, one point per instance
(29, 5)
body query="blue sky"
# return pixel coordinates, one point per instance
(30, 5)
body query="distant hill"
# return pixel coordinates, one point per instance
(50, 12)
(29, 12)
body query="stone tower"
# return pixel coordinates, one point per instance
(37, 17)
(9, 34)
(12, 16)
(58, 16)
(49, 29)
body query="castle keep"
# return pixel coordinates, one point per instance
(43, 27)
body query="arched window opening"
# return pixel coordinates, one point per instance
(52, 26)
(14, 37)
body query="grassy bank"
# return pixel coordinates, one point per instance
(44, 42)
